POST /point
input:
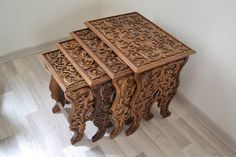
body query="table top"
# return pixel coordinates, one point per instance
(82, 61)
(63, 71)
(138, 42)
(101, 53)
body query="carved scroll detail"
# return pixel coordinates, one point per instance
(64, 68)
(125, 88)
(102, 51)
(159, 84)
(82, 102)
(81, 57)
(105, 95)
(168, 84)
(139, 40)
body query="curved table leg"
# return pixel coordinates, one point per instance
(168, 85)
(125, 89)
(104, 98)
(141, 106)
(82, 102)
(57, 94)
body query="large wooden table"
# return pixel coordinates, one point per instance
(128, 64)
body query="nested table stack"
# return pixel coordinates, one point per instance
(113, 71)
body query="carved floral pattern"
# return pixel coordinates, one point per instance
(139, 40)
(80, 56)
(64, 68)
(102, 51)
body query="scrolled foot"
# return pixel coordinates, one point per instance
(99, 134)
(165, 113)
(149, 116)
(56, 109)
(118, 128)
(133, 127)
(76, 138)
(129, 121)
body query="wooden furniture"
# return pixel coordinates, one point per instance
(147, 50)
(98, 80)
(123, 64)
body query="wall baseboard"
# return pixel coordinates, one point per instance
(210, 124)
(47, 46)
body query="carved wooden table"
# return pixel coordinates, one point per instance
(122, 76)
(113, 71)
(67, 83)
(149, 51)
(97, 79)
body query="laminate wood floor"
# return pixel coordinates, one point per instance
(29, 129)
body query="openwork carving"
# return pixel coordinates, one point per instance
(125, 88)
(83, 60)
(105, 95)
(64, 69)
(82, 102)
(168, 84)
(96, 47)
(139, 41)
(159, 84)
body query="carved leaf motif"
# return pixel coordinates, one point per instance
(138, 39)
(102, 51)
(90, 67)
(64, 68)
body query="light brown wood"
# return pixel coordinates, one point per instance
(101, 53)
(138, 42)
(84, 107)
(86, 66)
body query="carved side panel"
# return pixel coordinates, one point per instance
(125, 88)
(168, 84)
(105, 95)
(82, 102)
(159, 84)
(148, 83)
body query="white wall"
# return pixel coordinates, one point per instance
(209, 27)
(26, 23)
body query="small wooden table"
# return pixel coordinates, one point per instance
(155, 56)
(97, 79)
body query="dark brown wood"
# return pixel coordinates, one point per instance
(138, 42)
(86, 66)
(105, 95)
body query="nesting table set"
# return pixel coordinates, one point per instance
(112, 72)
